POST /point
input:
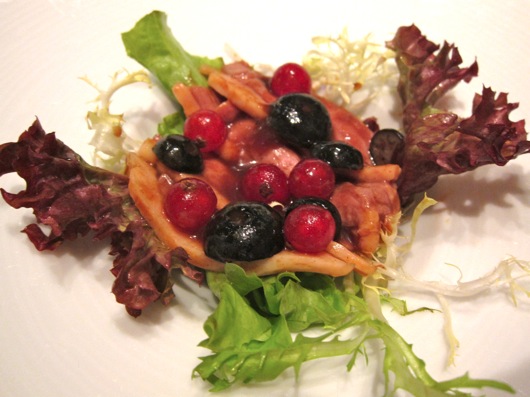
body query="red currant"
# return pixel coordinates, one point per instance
(264, 183)
(190, 203)
(312, 177)
(207, 128)
(309, 228)
(290, 78)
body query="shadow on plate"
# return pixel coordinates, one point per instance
(468, 194)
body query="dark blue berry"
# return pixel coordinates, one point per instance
(300, 120)
(338, 155)
(244, 231)
(387, 147)
(180, 154)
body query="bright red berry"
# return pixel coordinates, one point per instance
(312, 177)
(309, 228)
(190, 203)
(265, 183)
(290, 78)
(207, 128)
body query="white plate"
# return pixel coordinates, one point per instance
(62, 334)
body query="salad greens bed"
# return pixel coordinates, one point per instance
(265, 311)
(250, 333)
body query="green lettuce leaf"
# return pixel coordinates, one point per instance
(251, 333)
(232, 314)
(172, 124)
(151, 43)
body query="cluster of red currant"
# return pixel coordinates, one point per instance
(308, 221)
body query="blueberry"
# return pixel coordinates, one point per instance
(244, 231)
(180, 154)
(338, 155)
(300, 120)
(387, 147)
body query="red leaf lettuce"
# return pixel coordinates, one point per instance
(439, 142)
(73, 199)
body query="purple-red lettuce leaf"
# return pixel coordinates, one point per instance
(439, 142)
(72, 199)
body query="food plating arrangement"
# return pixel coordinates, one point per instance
(267, 186)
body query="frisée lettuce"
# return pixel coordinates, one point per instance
(250, 333)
